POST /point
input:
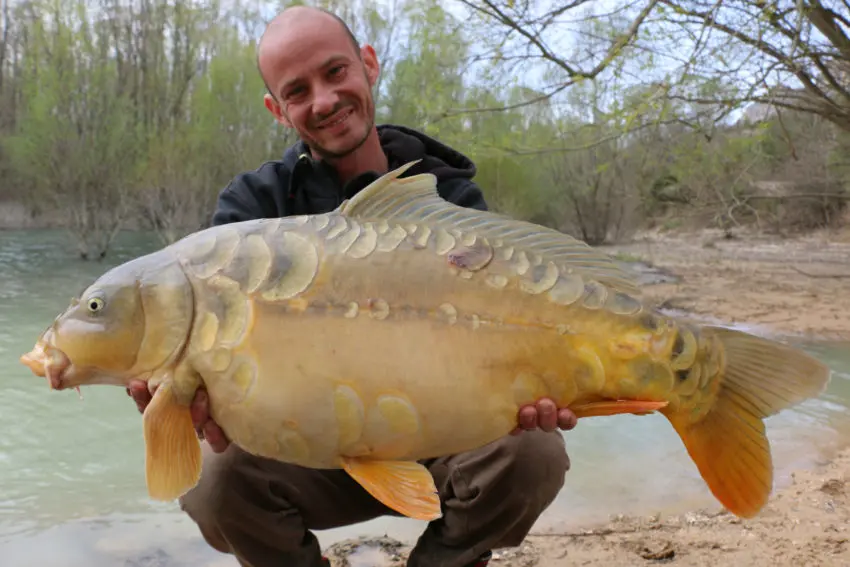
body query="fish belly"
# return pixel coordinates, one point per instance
(409, 389)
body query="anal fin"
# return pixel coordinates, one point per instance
(616, 407)
(172, 449)
(405, 486)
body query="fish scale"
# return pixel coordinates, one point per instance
(401, 327)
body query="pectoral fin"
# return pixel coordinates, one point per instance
(172, 449)
(616, 407)
(405, 486)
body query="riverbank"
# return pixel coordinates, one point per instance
(796, 287)
(807, 523)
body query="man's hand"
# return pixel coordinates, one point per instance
(204, 425)
(544, 415)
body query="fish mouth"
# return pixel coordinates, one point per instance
(48, 362)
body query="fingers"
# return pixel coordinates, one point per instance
(138, 390)
(567, 419)
(205, 427)
(200, 410)
(215, 437)
(545, 415)
(527, 419)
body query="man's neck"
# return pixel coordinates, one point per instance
(369, 156)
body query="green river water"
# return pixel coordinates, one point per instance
(72, 490)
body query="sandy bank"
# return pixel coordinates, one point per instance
(795, 286)
(807, 523)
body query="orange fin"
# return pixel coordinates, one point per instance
(405, 486)
(172, 449)
(728, 445)
(732, 454)
(616, 407)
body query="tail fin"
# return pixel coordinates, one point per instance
(728, 445)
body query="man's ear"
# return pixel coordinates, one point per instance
(370, 60)
(273, 107)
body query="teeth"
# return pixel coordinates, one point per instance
(338, 120)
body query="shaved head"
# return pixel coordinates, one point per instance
(320, 81)
(291, 19)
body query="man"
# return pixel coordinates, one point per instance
(320, 83)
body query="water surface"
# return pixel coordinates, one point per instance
(72, 491)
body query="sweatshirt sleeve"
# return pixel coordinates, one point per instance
(248, 196)
(464, 193)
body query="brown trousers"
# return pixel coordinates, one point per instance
(262, 511)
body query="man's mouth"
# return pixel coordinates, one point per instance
(340, 117)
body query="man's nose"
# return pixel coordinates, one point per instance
(325, 101)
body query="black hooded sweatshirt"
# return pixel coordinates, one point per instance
(298, 184)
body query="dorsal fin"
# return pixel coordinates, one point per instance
(415, 199)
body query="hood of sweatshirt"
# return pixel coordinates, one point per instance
(318, 182)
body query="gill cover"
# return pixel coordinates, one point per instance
(131, 320)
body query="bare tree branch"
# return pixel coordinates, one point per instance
(778, 36)
(574, 74)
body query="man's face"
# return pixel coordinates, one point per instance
(322, 85)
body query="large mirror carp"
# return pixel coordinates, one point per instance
(401, 327)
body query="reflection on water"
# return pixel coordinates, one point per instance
(73, 471)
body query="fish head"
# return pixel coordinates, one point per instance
(130, 322)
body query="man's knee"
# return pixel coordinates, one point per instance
(239, 509)
(494, 495)
(534, 466)
(219, 494)
(523, 473)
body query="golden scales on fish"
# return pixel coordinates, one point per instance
(343, 340)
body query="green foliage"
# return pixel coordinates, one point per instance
(134, 114)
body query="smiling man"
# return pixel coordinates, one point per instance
(320, 84)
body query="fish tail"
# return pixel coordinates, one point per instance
(757, 378)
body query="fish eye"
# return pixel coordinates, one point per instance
(95, 304)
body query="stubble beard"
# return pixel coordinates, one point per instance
(326, 153)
